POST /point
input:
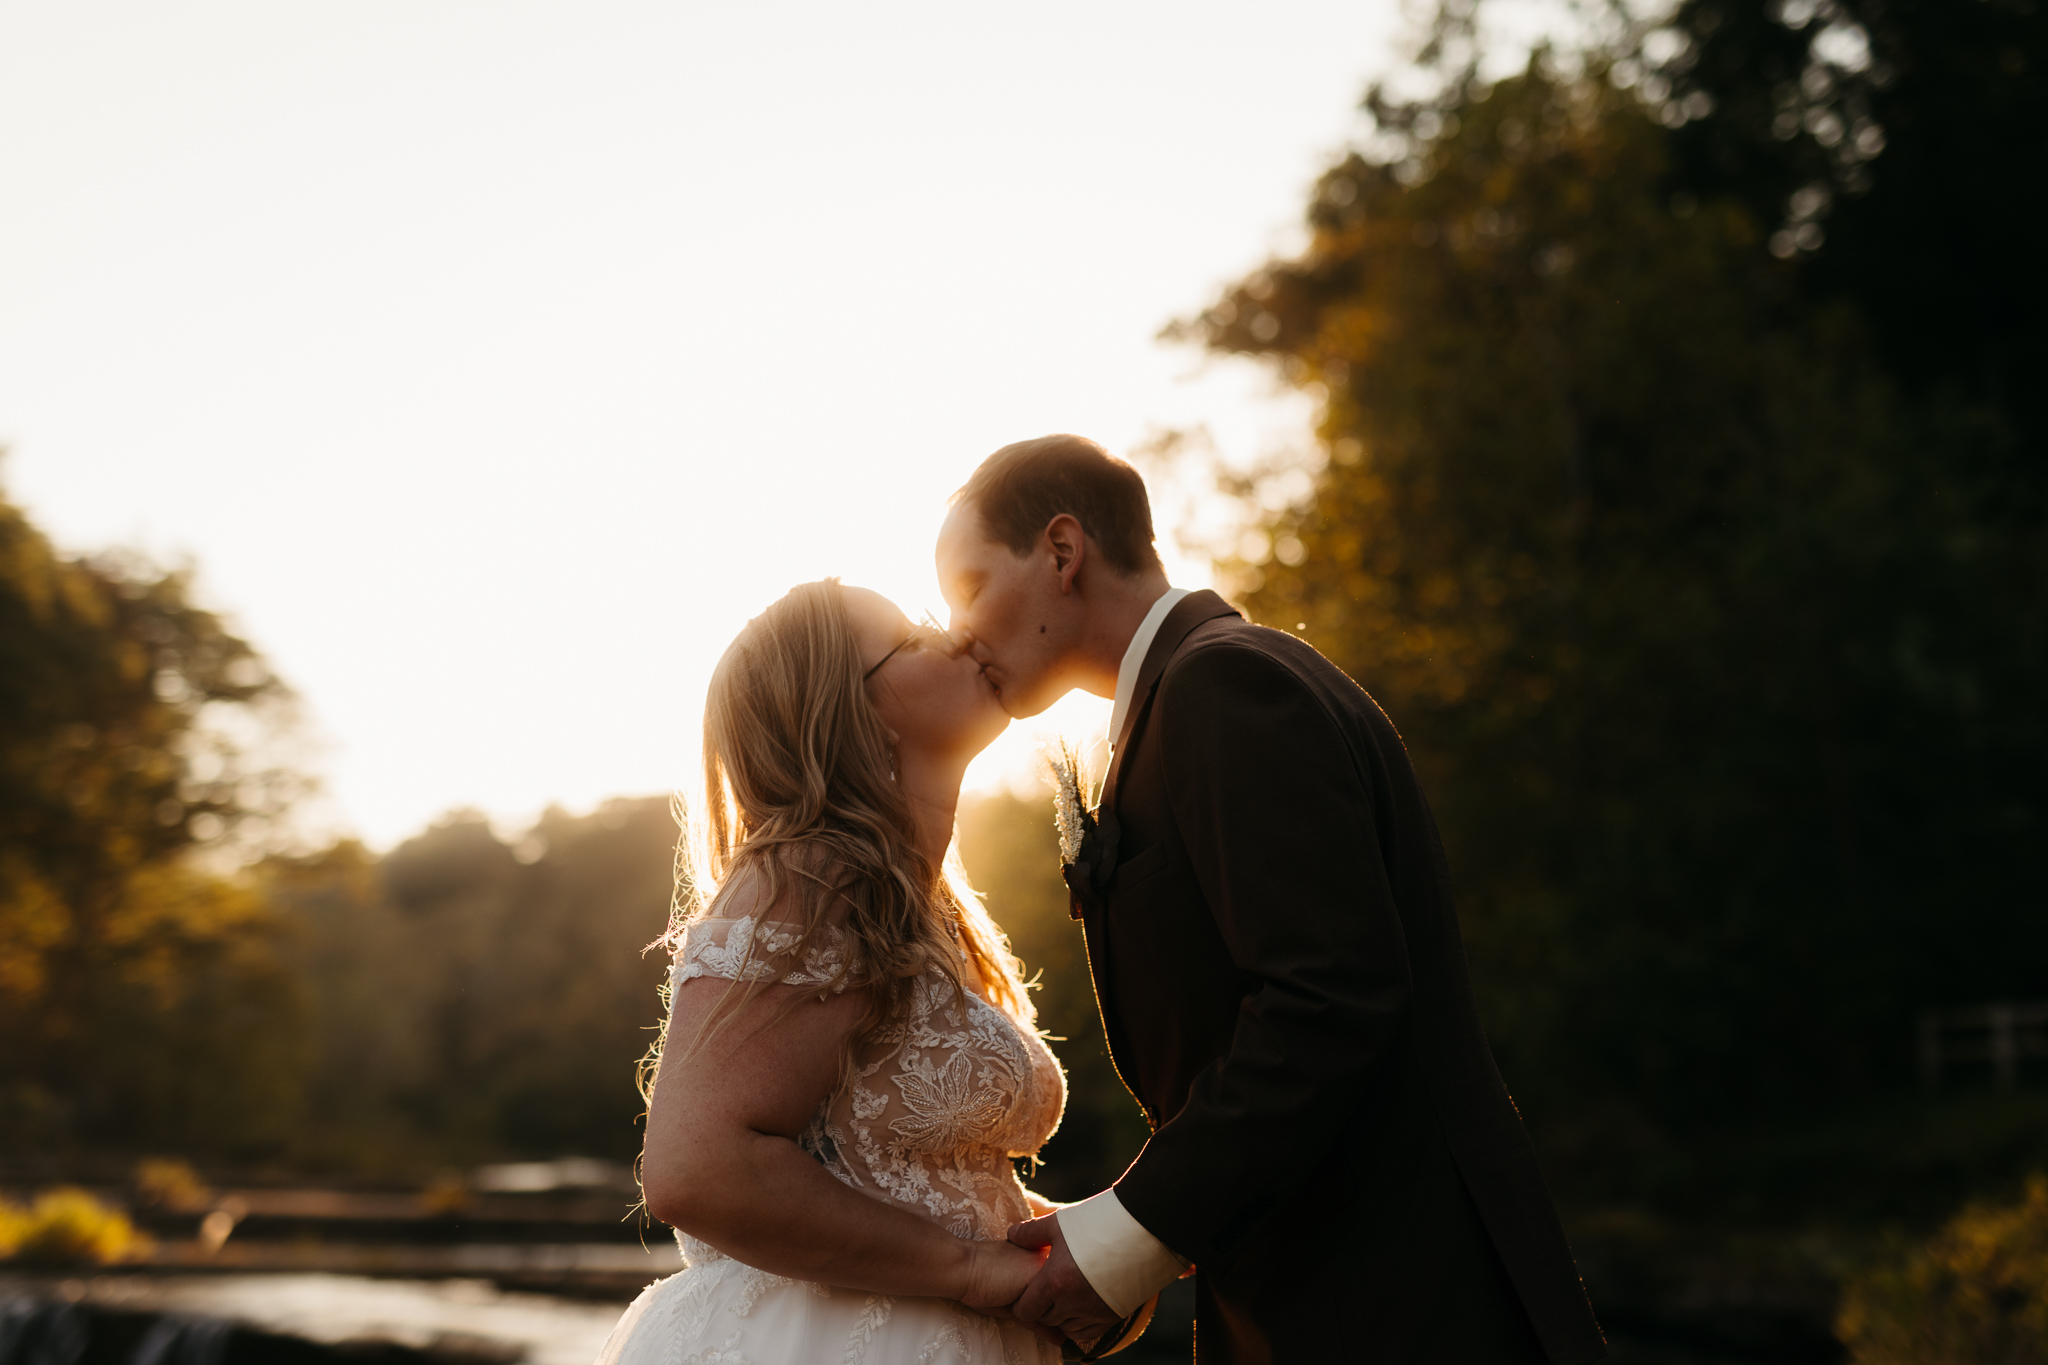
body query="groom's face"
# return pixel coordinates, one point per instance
(1010, 609)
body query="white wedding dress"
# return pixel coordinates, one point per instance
(933, 1124)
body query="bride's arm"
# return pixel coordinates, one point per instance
(722, 1161)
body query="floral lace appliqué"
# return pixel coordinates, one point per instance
(938, 1105)
(744, 949)
(947, 1112)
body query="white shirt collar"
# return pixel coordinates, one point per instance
(1134, 658)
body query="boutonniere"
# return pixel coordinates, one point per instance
(1080, 836)
(1069, 800)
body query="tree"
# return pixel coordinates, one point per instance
(122, 965)
(1902, 145)
(473, 999)
(1676, 594)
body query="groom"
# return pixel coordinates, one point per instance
(1269, 924)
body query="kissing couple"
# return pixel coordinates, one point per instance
(849, 1065)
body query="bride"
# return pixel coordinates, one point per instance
(849, 1062)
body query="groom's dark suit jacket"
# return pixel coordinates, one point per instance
(1278, 963)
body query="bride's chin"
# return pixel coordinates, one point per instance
(992, 722)
(974, 733)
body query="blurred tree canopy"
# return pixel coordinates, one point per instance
(1708, 593)
(1911, 135)
(166, 984)
(471, 999)
(122, 712)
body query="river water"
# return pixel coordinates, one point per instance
(490, 1321)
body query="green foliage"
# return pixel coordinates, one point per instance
(1011, 852)
(468, 1004)
(65, 1226)
(1704, 630)
(137, 992)
(1977, 1294)
(1905, 136)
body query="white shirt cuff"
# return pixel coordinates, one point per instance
(1124, 1264)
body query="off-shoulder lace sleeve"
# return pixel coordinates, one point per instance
(745, 949)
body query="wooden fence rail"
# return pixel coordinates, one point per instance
(1999, 1033)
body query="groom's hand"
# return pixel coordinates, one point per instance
(1059, 1296)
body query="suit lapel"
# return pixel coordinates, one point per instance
(1088, 877)
(1189, 612)
(1091, 889)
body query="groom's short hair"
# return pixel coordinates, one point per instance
(1022, 487)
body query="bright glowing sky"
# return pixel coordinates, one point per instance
(495, 361)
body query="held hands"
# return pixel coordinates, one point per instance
(996, 1274)
(1059, 1297)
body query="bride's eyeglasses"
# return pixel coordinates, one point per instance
(927, 625)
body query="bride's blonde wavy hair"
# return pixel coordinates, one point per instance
(800, 792)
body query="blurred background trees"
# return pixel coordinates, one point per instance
(1679, 493)
(473, 999)
(136, 988)
(171, 982)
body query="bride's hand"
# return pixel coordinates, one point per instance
(996, 1274)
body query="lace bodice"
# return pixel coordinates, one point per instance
(938, 1104)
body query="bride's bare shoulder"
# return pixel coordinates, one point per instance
(741, 894)
(751, 892)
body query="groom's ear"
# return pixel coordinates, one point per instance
(1068, 545)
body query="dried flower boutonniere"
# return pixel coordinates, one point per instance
(1080, 843)
(1069, 800)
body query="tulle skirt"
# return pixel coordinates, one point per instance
(719, 1312)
